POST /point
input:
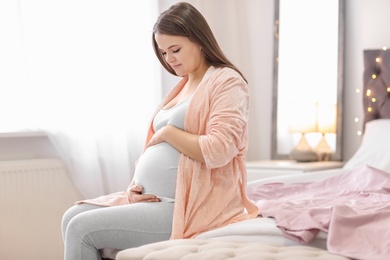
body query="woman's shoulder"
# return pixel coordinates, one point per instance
(222, 79)
(224, 73)
(224, 70)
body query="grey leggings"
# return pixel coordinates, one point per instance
(87, 228)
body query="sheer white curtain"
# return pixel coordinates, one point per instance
(83, 71)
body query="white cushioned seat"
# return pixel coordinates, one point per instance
(204, 249)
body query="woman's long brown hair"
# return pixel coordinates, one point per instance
(183, 19)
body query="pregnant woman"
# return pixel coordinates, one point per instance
(191, 177)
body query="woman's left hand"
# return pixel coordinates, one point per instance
(158, 136)
(185, 142)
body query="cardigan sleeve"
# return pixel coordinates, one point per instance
(225, 133)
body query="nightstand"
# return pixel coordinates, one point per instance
(272, 168)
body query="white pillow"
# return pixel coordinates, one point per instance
(375, 147)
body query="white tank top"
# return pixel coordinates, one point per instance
(157, 167)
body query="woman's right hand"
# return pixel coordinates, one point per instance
(135, 195)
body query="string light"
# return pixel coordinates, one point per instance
(276, 33)
(357, 118)
(369, 93)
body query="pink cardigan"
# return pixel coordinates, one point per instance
(212, 194)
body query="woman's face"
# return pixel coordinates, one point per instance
(185, 57)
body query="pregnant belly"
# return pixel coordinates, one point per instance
(157, 169)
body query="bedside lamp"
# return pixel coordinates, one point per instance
(303, 121)
(326, 124)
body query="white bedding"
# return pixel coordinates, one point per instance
(265, 229)
(302, 177)
(258, 230)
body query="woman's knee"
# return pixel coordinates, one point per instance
(68, 215)
(78, 241)
(79, 229)
(71, 213)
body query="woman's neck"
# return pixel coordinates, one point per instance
(196, 77)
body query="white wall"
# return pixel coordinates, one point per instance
(366, 28)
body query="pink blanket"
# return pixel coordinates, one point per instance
(353, 208)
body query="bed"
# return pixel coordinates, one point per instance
(341, 212)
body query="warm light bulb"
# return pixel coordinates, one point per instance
(373, 100)
(378, 60)
(359, 132)
(388, 89)
(357, 90)
(369, 109)
(356, 119)
(384, 48)
(368, 93)
(373, 76)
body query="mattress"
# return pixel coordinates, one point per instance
(262, 230)
(301, 177)
(195, 249)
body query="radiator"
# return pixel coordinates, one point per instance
(34, 194)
